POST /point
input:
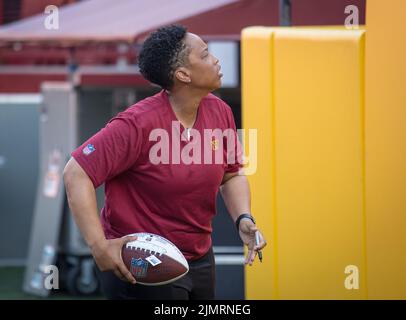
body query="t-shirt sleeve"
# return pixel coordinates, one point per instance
(232, 146)
(112, 150)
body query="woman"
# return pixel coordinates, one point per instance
(152, 183)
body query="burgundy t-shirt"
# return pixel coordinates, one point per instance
(175, 199)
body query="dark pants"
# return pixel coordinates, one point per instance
(197, 284)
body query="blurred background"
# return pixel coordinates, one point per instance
(322, 82)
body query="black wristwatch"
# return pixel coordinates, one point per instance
(243, 216)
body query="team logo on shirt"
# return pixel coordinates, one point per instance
(88, 149)
(214, 144)
(139, 268)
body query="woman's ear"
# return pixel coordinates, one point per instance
(183, 75)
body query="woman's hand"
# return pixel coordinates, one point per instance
(107, 255)
(247, 233)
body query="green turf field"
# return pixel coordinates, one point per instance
(11, 279)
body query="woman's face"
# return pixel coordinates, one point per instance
(202, 69)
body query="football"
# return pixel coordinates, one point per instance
(154, 260)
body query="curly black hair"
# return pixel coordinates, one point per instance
(162, 53)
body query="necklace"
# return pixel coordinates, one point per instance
(188, 133)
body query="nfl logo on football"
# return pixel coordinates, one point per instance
(139, 267)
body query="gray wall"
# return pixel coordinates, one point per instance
(18, 177)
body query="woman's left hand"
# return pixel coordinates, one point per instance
(247, 233)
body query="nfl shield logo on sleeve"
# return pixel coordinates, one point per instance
(88, 149)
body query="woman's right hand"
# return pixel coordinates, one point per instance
(107, 255)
